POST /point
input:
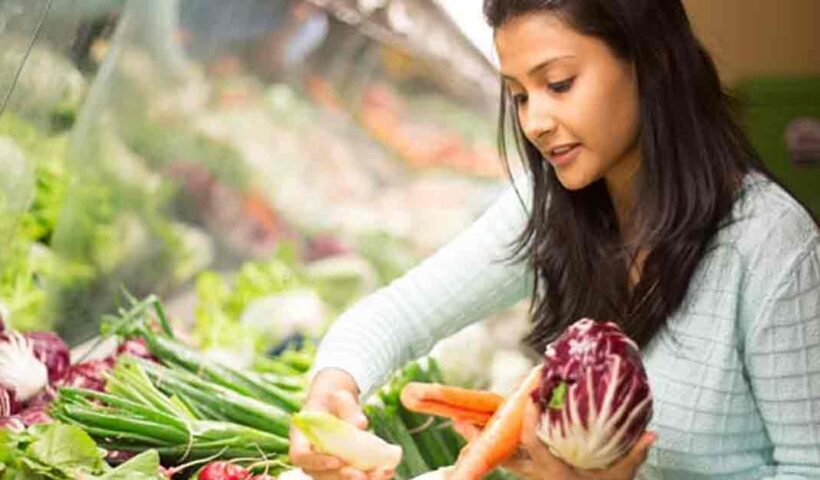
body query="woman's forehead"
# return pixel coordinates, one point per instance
(537, 40)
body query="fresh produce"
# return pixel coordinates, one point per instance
(65, 452)
(20, 370)
(223, 471)
(500, 438)
(50, 88)
(594, 399)
(8, 402)
(214, 401)
(52, 352)
(134, 415)
(359, 448)
(163, 395)
(594, 395)
(456, 403)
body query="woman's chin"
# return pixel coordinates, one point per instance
(573, 180)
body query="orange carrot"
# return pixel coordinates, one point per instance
(442, 410)
(474, 406)
(500, 438)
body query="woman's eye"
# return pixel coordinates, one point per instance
(561, 87)
(519, 99)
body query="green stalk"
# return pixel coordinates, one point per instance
(215, 398)
(386, 424)
(120, 423)
(172, 353)
(81, 397)
(129, 380)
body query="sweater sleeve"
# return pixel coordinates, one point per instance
(782, 355)
(466, 280)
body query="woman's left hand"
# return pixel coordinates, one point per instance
(541, 464)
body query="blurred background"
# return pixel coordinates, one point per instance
(262, 164)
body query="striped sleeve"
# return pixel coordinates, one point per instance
(463, 282)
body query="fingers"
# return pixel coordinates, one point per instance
(628, 466)
(529, 427)
(349, 473)
(520, 464)
(333, 392)
(537, 450)
(304, 456)
(345, 405)
(637, 455)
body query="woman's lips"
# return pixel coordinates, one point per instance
(565, 157)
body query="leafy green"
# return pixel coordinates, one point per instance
(144, 466)
(65, 452)
(221, 305)
(24, 259)
(65, 447)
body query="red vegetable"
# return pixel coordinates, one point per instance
(45, 397)
(53, 352)
(14, 423)
(224, 471)
(136, 348)
(8, 402)
(90, 374)
(35, 416)
(594, 395)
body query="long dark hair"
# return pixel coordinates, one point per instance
(694, 156)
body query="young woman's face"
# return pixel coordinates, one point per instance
(577, 102)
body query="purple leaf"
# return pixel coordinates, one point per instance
(90, 374)
(594, 395)
(53, 352)
(8, 402)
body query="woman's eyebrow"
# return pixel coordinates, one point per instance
(537, 68)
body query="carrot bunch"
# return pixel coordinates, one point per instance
(502, 420)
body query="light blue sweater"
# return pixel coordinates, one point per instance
(736, 378)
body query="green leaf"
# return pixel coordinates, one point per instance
(144, 466)
(65, 447)
(559, 396)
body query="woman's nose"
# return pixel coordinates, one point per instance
(540, 121)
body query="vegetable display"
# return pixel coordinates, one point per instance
(20, 371)
(500, 437)
(65, 452)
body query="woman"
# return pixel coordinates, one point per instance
(646, 205)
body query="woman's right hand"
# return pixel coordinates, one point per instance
(335, 392)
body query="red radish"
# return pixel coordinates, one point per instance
(224, 471)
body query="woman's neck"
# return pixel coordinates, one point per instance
(621, 181)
